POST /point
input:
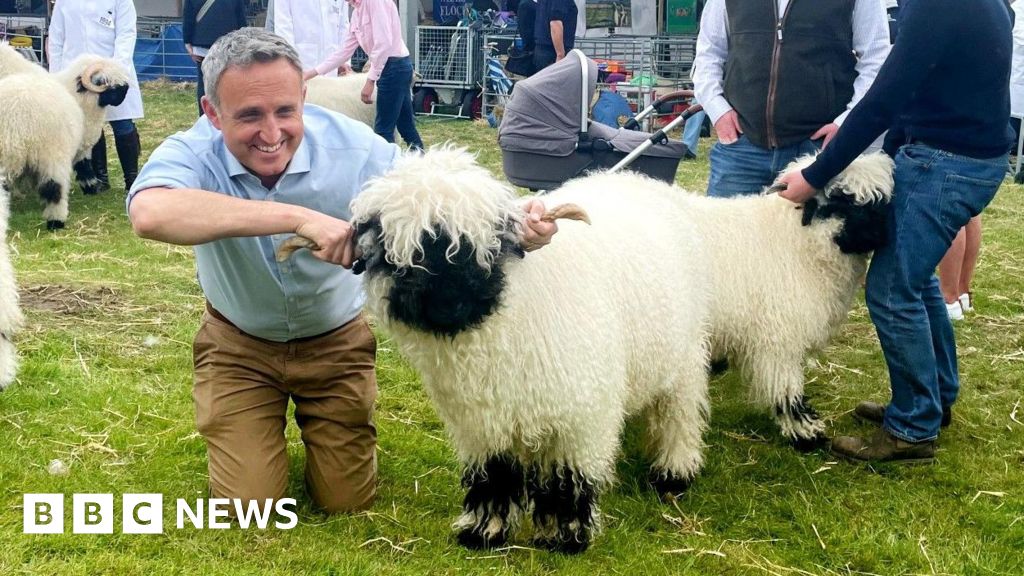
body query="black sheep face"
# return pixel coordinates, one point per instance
(114, 95)
(864, 228)
(443, 293)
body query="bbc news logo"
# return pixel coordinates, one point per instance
(144, 513)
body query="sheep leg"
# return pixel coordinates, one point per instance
(495, 498)
(676, 424)
(54, 187)
(86, 177)
(780, 378)
(565, 513)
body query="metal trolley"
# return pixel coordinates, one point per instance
(450, 63)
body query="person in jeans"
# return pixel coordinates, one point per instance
(944, 95)
(202, 23)
(375, 27)
(778, 77)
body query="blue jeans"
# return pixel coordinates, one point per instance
(122, 127)
(745, 168)
(935, 194)
(691, 130)
(394, 103)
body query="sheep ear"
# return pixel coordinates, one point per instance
(509, 238)
(369, 241)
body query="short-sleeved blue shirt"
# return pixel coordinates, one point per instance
(303, 296)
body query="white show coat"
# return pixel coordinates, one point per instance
(102, 27)
(1017, 63)
(316, 28)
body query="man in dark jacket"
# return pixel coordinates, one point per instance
(554, 31)
(943, 94)
(202, 23)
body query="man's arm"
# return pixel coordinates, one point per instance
(871, 42)
(557, 39)
(709, 70)
(191, 216)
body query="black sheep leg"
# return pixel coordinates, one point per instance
(495, 497)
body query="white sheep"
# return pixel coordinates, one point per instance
(10, 312)
(533, 363)
(40, 142)
(784, 277)
(341, 94)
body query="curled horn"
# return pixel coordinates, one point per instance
(289, 246)
(86, 78)
(568, 211)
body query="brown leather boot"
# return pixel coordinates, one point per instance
(873, 413)
(883, 447)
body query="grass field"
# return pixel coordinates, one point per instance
(105, 386)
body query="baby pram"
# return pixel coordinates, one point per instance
(546, 136)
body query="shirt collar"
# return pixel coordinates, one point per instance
(299, 164)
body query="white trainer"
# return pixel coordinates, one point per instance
(965, 302)
(954, 310)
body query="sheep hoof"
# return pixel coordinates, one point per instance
(474, 540)
(816, 442)
(668, 485)
(571, 546)
(90, 187)
(52, 225)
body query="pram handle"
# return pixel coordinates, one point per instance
(680, 95)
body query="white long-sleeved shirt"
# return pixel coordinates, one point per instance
(870, 41)
(316, 28)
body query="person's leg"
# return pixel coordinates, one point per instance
(334, 388)
(99, 163)
(935, 194)
(740, 168)
(200, 86)
(389, 100)
(406, 123)
(240, 412)
(691, 132)
(972, 247)
(126, 141)
(949, 273)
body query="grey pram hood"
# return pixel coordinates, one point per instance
(548, 114)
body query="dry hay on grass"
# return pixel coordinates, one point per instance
(73, 301)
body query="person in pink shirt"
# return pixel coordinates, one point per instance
(375, 27)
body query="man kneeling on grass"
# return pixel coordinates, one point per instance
(259, 166)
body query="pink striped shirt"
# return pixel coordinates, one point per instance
(374, 26)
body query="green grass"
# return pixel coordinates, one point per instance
(105, 386)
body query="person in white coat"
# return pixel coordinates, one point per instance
(316, 28)
(105, 28)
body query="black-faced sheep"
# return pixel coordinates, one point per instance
(51, 122)
(784, 277)
(10, 312)
(533, 363)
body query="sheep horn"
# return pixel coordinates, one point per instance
(570, 211)
(289, 246)
(86, 78)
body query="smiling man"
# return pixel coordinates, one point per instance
(257, 168)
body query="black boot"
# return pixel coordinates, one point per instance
(128, 149)
(99, 163)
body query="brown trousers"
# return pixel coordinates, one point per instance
(242, 387)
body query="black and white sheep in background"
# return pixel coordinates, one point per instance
(51, 122)
(533, 363)
(783, 278)
(10, 312)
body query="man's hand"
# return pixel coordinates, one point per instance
(558, 57)
(366, 95)
(535, 232)
(827, 133)
(311, 73)
(336, 238)
(797, 190)
(728, 127)
(344, 69)
(192, 55)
